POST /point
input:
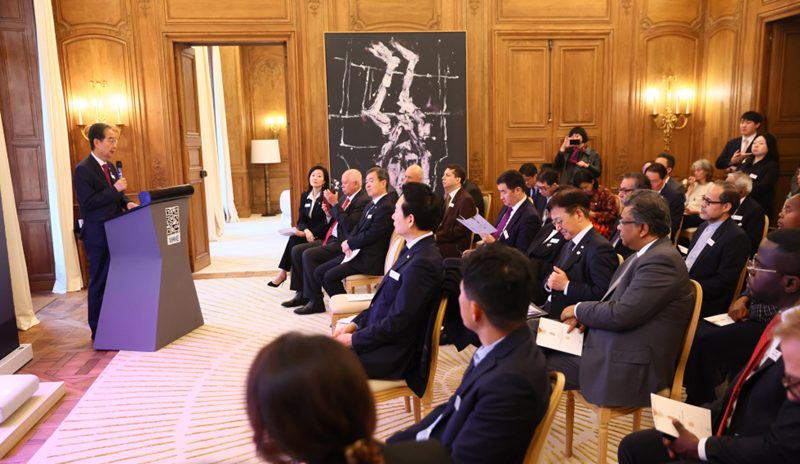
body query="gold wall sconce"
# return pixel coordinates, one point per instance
(671, 119)
(274, 126)
(98, 105)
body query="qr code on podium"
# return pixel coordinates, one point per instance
(173, 225)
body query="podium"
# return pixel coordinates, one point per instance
(150, 299)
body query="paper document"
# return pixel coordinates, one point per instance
(359, 297)
(553, 334)
(535, 311)
(350, 258)
(720, 319)
(478, 224)
(347, 320)
(288, 232)
(696, 420)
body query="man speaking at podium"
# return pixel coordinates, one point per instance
(99, 188)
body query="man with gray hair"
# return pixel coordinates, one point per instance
(636, 330)
(750, 216)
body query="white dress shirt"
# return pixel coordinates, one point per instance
(701, 243)
(334, 232)
(414, 242)
(513, 211)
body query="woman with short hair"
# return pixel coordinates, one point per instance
(699, 183)
(575, 155)
(764, 169)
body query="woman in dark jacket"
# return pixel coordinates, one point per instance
(764, 169)
(576, 155)
(312, 222)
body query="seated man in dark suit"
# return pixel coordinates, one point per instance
(719, 249)
(370, 237)
(636, 330)
(754, 421)
(505, 390)
(453, 237)
(384, 335)
(586, 263)
(749, 215)
(543, 253)
(631, 182)
(342, 217)
(668, 161)
(736, 150)
(99, 189)
(518, 222)
(657, 174)
(530, 173)
(547, 183)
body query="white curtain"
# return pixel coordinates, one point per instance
(222, 138)
(56, 147)
(205, 102)
(16, 257)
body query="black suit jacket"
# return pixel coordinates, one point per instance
(348, 218)
(589, 269)
(317, 223)
(750, 217)
(539, 201)
(765, 426)
(589, 156)
(620, 248)
(765, 174)
(521, 228)
(718, 267)
(493, 414)
(733, 145)
(543, 253)
(372, 234)
(387, 330)
(677, 186)
(475, 192)
(96, 199)
(676, 201)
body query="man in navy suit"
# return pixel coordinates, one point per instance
(668, 161)
(99, 189)
(547, 183)
(531, 174)
(737, 149)
(505, 390)
(631, 182)
(759, 424)
(518, 222)
(657, 174)
(587, 261)
(384, 335)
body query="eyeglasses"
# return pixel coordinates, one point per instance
(112, 141)
(752, 267)
(624, 190)
(558, 222)
(708, 201)
(624, 223)
(792, 384)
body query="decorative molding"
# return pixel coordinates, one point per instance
(271, 69)
(314, 6)
(62, 30)
(476, 169)
(158, 178)
(356, 24)
(622, 166)
(475, 5)
(627, 4)
(124, 30)
(144, 5)
(433, 23)
(696, 26)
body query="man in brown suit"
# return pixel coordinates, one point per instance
(452, 237)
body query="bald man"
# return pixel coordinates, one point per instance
(413, 174)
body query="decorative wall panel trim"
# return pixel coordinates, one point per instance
(240, 12)
(429, 13)
(563, 11)
(67, 25)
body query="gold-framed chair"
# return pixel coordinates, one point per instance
(678, 234)
(739, 285)
(766, 227)
(396, 244)
(543, 429)
(386, 390)
(605, 414)
(487, 202)
(621, 259)
(688, 232)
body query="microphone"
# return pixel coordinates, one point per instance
(119, 168)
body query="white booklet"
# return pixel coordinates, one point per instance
(535, 311)
(478, 224)
(350, 258)
(288, 232)
(346, 320)
(553, 334)
(359, 297)
(720, 319)
(695, 419)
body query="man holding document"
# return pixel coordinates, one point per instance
(758, 418)
(518, 221)
(636, 330)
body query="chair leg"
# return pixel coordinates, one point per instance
(417, 415)
(348, 287)
(570, 418)
(407, 403)
(602, 435)
(637, 420)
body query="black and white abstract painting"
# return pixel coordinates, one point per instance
(395, 100)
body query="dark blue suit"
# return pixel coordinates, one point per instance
(751, 217)
(676, 201)
(385, 338)
(521, 228)
(493, 414)
(539, 201)
(731, 147)
(96, 200)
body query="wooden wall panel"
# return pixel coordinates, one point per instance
(236, 115)
(90, 13)
(675, 11)
(193, 11)
(527, 76)
(571, 11)
(372, 15)
(580, 68)
(718, 86)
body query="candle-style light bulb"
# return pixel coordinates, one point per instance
(94, 104)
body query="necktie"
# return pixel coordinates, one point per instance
(108, 178)
(628, 264)
(565, 254)
(744, 146)
(761, 348)
(502, 224)
(333, 226)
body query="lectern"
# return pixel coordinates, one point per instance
(150, 298)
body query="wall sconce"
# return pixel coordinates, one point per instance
(99, 110)
(274, 126)
(670, 120)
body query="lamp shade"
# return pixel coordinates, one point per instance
(265, 152)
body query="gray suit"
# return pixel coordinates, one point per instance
(635, 335)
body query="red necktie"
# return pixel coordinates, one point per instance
(502, 224)
(333, 226)
(761, 348)
(108, 178)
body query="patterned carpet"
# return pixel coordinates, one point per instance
(185, 403)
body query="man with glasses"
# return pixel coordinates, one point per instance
(755, 421)
(99, 189)
(632, 181)
(719, 248)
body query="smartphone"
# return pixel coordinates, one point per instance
(575, 142)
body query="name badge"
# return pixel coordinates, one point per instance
(710, 242)
(505, 234)
(775, 354)
(458, 402)
(111, 174)
(369, 217)
(554, 240)
(308, 205)
(394, 274)
(452, 205)
(736, 217)
(754, 176)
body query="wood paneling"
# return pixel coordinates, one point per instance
(571, 11)
(675, 11)
(718, 93)
(237, 117)
(21, 107)
(90, 13)
(371, 15)
(193, 11)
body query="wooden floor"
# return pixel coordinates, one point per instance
(62, 351)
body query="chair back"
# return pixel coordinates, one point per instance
(739, 286)
(678, 233)
(395, 247)
(621, 259)
(677, 381)
(543, 429)
(487, 202)
(619, 204)
(437, 333)
(766, 227)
